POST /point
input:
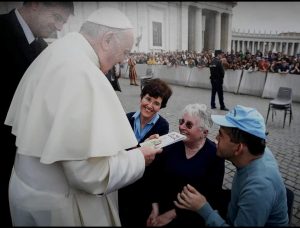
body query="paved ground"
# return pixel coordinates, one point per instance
(284, 142)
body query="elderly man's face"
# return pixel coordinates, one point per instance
(119, 50)
(49, 19)
(123, 45)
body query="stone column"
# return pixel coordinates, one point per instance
(198, 30)
(217, 30)
(292, 49)
(229, 27)
(274, 46)
(280, 47)
(286, 48)
(243, 46)
(238, 46)
(184, 26)
(252, 48)
(248, 45)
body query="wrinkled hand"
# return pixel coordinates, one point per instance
(149, 153)
(190, 199)
(163, 219)
(153, 215)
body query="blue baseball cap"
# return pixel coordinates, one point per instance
(243, 118)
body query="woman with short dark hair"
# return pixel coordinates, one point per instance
(134, 202)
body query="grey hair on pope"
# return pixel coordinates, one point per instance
(201, 112)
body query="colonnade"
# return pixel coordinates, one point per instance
(286, 43)
(205, 27)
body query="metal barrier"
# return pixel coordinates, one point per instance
(252, 83)
(261, 84)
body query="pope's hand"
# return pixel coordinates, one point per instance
(154, 136)
(149, 153)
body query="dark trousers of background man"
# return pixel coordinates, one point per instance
(217, 87)
(8, 156)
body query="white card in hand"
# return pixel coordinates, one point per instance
(164, 140)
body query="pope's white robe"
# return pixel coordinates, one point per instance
(71, 134)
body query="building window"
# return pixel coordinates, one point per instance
(157, 29)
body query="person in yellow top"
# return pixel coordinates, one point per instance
(151, 60)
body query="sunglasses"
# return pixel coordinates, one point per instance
(188, 124)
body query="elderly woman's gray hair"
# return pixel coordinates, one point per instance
(202, 112)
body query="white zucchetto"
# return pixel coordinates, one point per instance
(110, 17)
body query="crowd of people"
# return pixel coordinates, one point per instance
(77, 156)
(268, 61)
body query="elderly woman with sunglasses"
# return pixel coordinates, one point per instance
(193, 160)
(134, 203)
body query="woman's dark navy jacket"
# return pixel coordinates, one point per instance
(134, 200)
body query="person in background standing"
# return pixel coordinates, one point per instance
(132, 71)
(216, 79)
(22, 39)
(113, 76)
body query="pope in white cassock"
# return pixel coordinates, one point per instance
(71, 130)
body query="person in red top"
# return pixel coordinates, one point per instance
(263, 65)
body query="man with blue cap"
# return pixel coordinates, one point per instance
(258, 194)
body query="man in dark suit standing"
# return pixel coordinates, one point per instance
(21, 41)
(216, 79)
(113, 76)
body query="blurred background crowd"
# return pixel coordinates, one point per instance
(268, 61)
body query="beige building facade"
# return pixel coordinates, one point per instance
(164, 26)
(193, 26)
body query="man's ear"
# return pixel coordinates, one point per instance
(106, 40)
(239, 149)
(35, 5)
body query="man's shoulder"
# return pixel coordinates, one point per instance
(215, 61)
(10, 26)
(8, 18)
